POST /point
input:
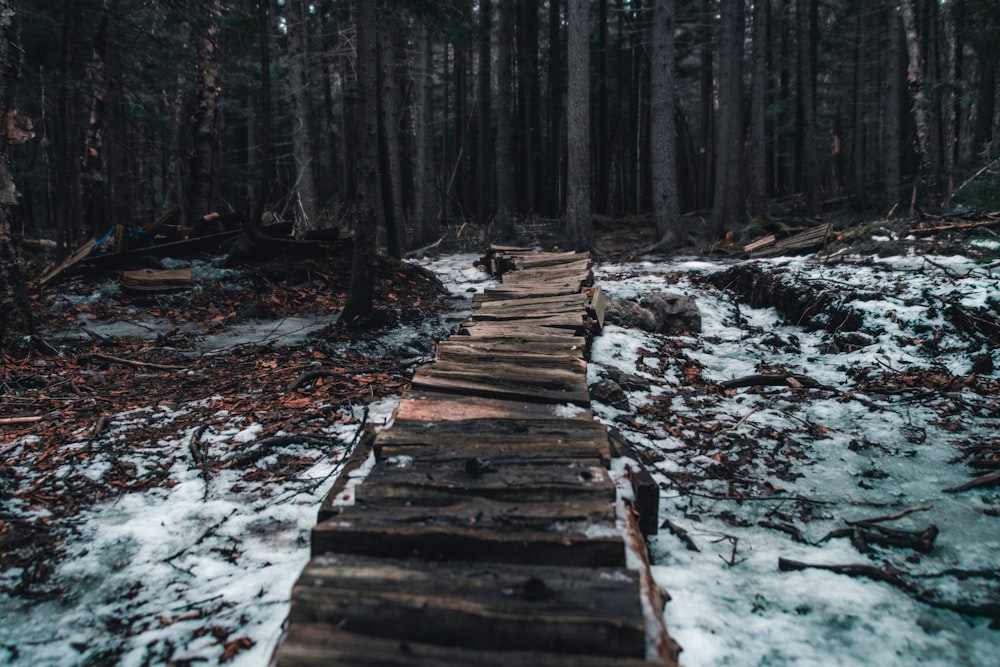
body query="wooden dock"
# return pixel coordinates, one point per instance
(489, 530)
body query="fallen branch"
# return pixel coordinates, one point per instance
(20, 420)
(773, 380)
(851, 570)
(129, 362)
(265, 446)
(892, 517)
(308, 376)
(787, 528)
(982, 482)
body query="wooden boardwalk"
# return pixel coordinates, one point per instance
(489, 530)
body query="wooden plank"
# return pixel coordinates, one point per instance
(573, 321)
(323, 645)
(471, 354)
(540, 434)
(358, 457)
(411, 479)
(578, 532)
(525, 292)
(593, 611)
(577, 299)
(149, 281)
(562, 347)
(433, 406)
(599, 304)
(516, 330)
(508, 381)
(579, 265)
(529, 261)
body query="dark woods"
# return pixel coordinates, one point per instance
(492, 112)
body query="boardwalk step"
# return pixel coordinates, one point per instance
(433, 406)
(567, 532)
(317, 645)
(504, 380)
(593, 611)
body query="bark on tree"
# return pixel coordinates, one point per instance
(94, 165)
(484, 165)
(728, 206)
(663, 132)
(758, 112)
(203, 158)
(706, 93)
(894, 77)
(806, 93)
(266, 152)
(425, 218)
(504, 220)
(860, 118)
(361, 293)
(579, 226)
(15, 312)
(915, 82)
(394, 216)
(554, 118)
(307, 209)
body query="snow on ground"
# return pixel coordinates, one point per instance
(810, 460)
(189, 572)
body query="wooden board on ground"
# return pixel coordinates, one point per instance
(432, 406)
(323, 645)
(470, 354)
(563, 347)
(152, 281)
(413, 480)
(508, 381)
(599, 304)
(578, 532)
(518, 330)
(593, 611)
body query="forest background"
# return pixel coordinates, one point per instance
(121, 112)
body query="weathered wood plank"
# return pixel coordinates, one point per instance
(540, 385)
(358, 457)
(574, 321)
(593, 611)
(470, 355)
(579, 532)
(322, 645)
(529, 291)
(433, 406)
(562, 346)
(411, 479)
(577, 299)
(517, 330)
(599, 304)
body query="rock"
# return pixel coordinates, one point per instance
(608, 392)
(630, 315)
(675, 313)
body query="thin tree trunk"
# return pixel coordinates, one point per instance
(203, 159)
(392, 182)
(528, 88)
(706, 93)
(266, 154)
(361, 293)
(504, 221)
(425, 219)
(578, 205)
(555, 108)
(728, 205)
(894, 77)
(94, 164)
(806, 131)
(915, 79)
(986, 94)
(602, 150)
(758, 112)
(663, 131)
(858, 144)
(484, 164)
(307, 209)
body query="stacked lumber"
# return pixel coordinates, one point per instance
(489, 529)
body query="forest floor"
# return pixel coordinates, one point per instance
(161, 473)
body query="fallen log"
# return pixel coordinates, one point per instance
(794, 380)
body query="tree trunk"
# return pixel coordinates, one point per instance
(307, 209)
(706, 93)
(578, 206)
(986, 94)
(504, 221)
(531, 121)
(554, 185)
(860, 118)
(602, 149)
(894, 76)
(425, 218)
(266, 154)
(394, 215)
(728, 205)
(361, 294)
(663, 131)
(95, 197)
(806, 130)
(915, 81)
(484, 164)
(15, 312)
(758, 112)
(203, 158)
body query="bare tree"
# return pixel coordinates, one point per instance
(728, 205)
(663, 131)
(203, 158)
(758, 106)
(361, 293)
(503, 222)
(894, 77)
(307, 209)
(579, 227)
(15, 312)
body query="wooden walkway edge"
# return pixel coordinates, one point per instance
(484, 526)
